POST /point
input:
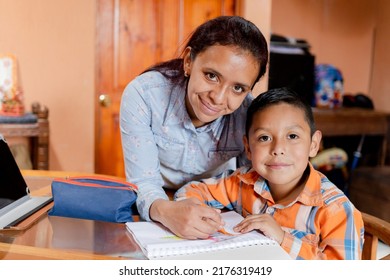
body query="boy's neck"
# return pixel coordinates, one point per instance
(285, 196)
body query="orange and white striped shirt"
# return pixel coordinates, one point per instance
(321, 223)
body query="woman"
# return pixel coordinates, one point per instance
(184, 119)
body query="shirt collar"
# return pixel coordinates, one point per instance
(310, 195)
(176, 111)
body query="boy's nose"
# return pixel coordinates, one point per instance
(278, 148)
(275, 153)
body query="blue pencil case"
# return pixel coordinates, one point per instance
(94, 198)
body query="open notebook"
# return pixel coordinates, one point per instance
(15, 201)
(157, 242)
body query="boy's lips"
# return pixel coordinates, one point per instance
(277, 165)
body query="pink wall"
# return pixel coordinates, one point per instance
(54, 43)
(250, 10)
(380, 83)
(354, 38)
(340, 34)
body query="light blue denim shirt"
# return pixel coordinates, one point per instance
(161, 146)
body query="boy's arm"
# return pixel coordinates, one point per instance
(339, 235)
(218, 192)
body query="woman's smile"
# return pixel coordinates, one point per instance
(209, 109)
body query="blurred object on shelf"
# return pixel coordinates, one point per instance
(329, 159)
(329, 86)
(42, 112)
(11, 93)
(332, 162)
(359, 100)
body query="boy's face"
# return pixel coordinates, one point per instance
(280, 144)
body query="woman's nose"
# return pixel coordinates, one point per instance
(219, 94)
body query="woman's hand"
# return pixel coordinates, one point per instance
(187, 218)
(263, 222)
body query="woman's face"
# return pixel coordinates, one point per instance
(220, 79)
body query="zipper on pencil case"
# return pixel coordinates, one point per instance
(71, 180)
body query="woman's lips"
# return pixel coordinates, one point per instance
(208, 109)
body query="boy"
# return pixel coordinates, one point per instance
(281, 194)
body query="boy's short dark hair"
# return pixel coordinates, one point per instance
(276, 96)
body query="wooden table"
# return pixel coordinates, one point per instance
(52, 237)
(354, 122)
(66, 238)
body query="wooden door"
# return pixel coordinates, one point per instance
(132, 35)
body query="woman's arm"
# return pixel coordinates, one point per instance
(218, 192)
(139, 147)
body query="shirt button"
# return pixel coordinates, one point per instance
(270, 210)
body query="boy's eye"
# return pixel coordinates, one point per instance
(293, 136)
(264, 138)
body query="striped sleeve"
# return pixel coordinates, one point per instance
(218, 192)
(339, 233)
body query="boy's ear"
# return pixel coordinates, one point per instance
(247, 149)
(315, 143)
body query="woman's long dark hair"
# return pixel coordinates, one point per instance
(224, 31)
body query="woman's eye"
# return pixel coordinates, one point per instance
(238, 89)
(211, 76)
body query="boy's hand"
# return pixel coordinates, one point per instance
(263, 222)
(187, 218)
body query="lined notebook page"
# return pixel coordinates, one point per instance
(156, 241)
